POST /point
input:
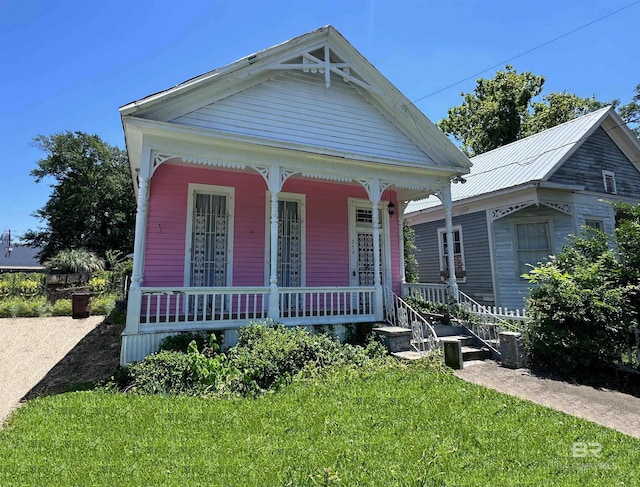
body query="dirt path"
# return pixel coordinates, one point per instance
(608, 408)
(46, 355)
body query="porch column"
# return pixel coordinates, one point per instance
(446, 202)
(134, 301)
(274, 295)
(375, 206)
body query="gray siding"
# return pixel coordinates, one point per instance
(478, 283)
(512, 289)
(596, 154)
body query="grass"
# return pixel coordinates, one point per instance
(393, 425)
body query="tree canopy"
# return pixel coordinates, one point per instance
(502, 110)
(92, 205)
(630, 112)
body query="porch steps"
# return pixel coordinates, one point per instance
(398, 341)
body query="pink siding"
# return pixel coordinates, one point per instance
(327, 227)
(166, 237)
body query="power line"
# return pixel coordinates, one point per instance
(500, 64)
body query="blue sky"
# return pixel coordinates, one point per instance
(69, 65)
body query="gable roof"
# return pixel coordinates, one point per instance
(537, 157)
(324, 52)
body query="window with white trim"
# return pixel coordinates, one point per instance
(458, 253)
(533, 245)
(594, 224)
(609, 180)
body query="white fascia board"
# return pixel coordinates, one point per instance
(623, 137)
(254, 61)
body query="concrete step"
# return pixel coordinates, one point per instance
(475, 353)
(465, 340)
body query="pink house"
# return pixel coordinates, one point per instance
(274, 188)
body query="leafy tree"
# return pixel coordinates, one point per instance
(91, 204)
(493, 114)
(500, 111)
(585, 304)
(410, 262)
(630, 112)
(557, 108)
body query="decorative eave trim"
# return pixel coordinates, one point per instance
(566, 208)
(157, 159)
(501, 212)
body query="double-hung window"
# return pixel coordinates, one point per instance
(458, 253)
(533, 244)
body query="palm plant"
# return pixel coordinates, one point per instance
(75, 261)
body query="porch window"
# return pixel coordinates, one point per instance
(209, 240)
(533, 244)
(458, 253)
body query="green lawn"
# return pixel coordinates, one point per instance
(395, 426)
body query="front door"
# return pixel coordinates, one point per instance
(361, 243)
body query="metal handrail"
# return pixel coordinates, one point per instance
(399, 313)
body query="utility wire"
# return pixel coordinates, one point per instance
(528, 51)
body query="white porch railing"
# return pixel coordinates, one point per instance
(197, 306)
(433, 293)
(175, 308)
(309, 305)
(437, 293)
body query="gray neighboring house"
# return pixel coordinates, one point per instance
(21, 259)
(521, 201)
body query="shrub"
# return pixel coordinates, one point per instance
(266, 357)
(33, 307)
(270, 356)
(181, 341)
(62, 307)
(170, 372)
(581, 307)
(8, 308)
(103, 305)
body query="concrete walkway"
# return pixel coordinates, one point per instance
(31, 347)
(608, 408)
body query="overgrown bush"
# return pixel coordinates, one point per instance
(265, 357)
(584, 302)
(181, 341)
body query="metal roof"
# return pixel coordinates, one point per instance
(22, 257)
(534, 158)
